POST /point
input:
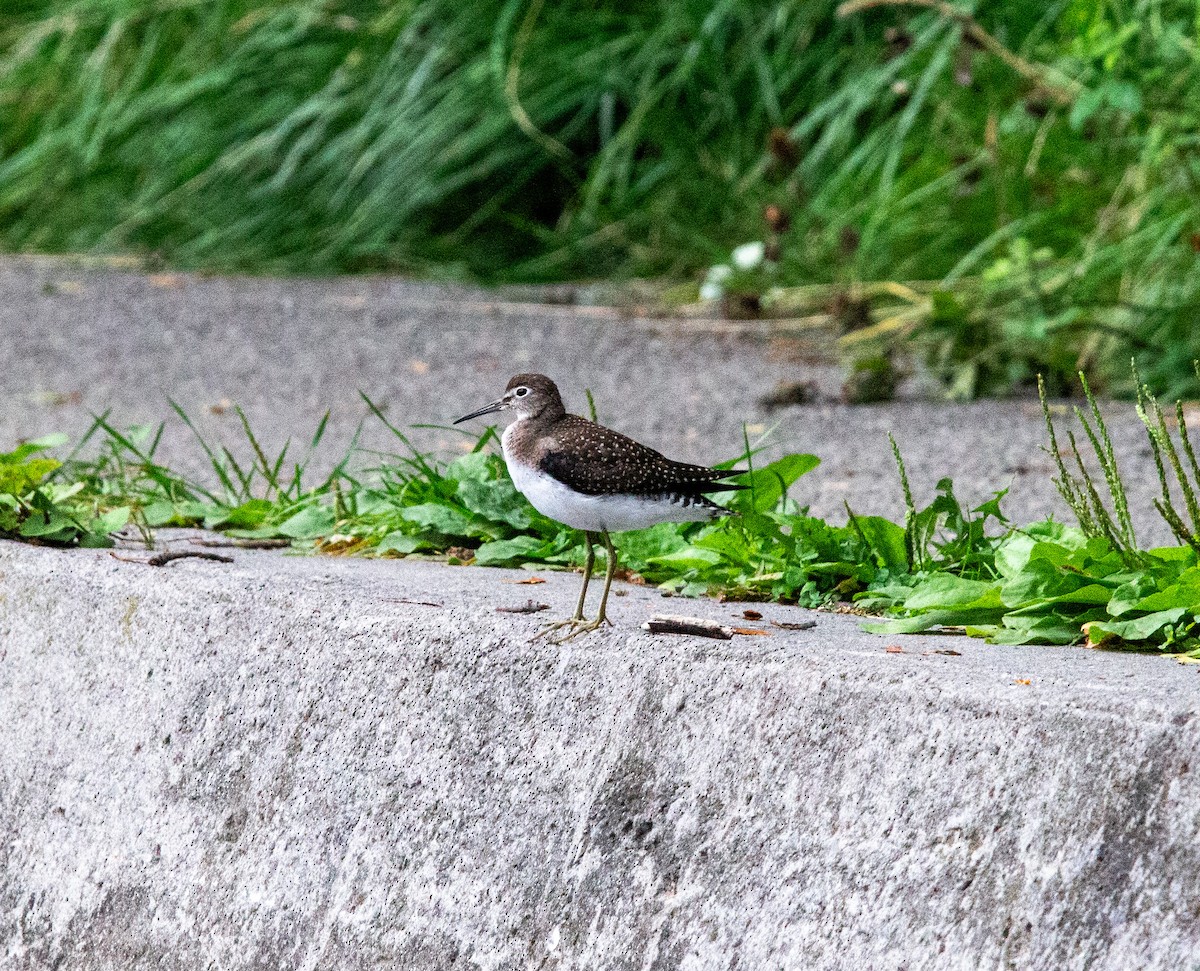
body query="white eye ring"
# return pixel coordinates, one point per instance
(521, 392)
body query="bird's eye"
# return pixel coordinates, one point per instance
(521, 392)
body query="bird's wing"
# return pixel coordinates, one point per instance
(601, 460)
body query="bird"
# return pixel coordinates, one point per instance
(594, 479)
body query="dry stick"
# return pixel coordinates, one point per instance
(162, 559)
(529, 607)
(673, 624)
(243, 544)
(1064, 90)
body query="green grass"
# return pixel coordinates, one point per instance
(1033, 164)
(948, 565)
(497, 137)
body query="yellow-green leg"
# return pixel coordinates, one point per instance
(602, 616)
(577, 624)
(586, 626)
(576, 620)
(587, 574)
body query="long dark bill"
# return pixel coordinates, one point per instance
(485, 410)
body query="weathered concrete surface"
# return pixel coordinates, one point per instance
(283, 764)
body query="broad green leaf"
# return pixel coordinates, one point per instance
(110, 521)
(886, 540)
(1044, 629)
(943, 590)
(54, 526)
(689, 558)
(1087, 103)
(16, 479)
(640, 547)
(404, 544)
(1043, 582)
(930, 619)
(497, 500)
(444, 519)
(1174, 554)
(311, 522)
(1129, 595)
(58, 493)
(1138, 629)
(248, 515)
(22, 452)
(1096, 594)
(1185, 593)
(167, 513)
(1123, 96)
(770, 483)
(475, 467)
(516, 550)
(1047, 540)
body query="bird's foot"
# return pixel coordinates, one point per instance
(561, 631)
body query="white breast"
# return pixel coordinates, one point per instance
(595, 513)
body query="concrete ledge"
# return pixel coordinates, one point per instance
(276, 764)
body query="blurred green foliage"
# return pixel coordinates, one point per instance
(948, 565)
(1034, 160)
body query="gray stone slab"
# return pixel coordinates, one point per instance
(288, 763)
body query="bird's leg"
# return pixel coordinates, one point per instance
(586, 626)
(577, 619)
(602, 616)
(587, 573)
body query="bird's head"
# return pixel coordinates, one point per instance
(528, 395)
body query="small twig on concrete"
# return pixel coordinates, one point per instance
(674, 624)
(802, 625)
(243, 544)
(405, 600)
(529, 607)
(162, 559)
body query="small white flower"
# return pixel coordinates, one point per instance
(748, 256)
(713, 287)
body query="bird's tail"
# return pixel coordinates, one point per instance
(722, 486)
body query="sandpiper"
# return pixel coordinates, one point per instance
(591, 478)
